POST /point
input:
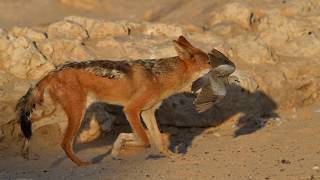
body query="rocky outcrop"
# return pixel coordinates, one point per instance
(276, 47)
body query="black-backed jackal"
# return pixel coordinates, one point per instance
(139, 86)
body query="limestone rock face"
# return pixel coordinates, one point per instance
(237, 12)
(243, 49)
(99, 28)
(67, 30)
(310, 48)
(29, 33)
(59, 51)
(275, 47)
(161, 29)
(277, 29)
(22, 59)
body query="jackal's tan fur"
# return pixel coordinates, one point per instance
(138, 86)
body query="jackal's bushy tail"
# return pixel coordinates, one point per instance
(27, 104)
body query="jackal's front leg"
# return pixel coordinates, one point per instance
(138, 137)
(160, 140)
(125, 140)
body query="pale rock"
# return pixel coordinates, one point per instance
(67, 30)
(314, 20)
(206, 38)
(2, 32)
(29, 33)
(307, 45)
(148, 48)
(273, 82)
(291, 71)
(99, 28)
(191, 28)
(276, 29)
(4, 44)
(108, 42)
(9, 95)
(271, 37)
(301, 81)
(297, 7)
(4, 40)
(5, 78)
(7, 112)
(217, 134)
(109, 47)
(24, 60)
(287, 68)
(15, 89)
(226, 29)
(250, 50)
(135, 28)
(161, 29)
(269, 79)
(165, 49)
(238, 12)
(59, 51)
(243, 79)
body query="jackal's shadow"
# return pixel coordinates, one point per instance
(252, 111)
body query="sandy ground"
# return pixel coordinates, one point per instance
(288, 148)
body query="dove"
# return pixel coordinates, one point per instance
(211, 88)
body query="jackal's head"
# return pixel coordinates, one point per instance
(193, 55)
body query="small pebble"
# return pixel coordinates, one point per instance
(284, 161)
(315, 168)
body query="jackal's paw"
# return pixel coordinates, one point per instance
(115, 153)
(127, 140)
(167, 153)
(25, 154)
(165, 140)
(115, 157)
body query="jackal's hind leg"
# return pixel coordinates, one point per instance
(126, 140)
(74, 106)
(67, 145)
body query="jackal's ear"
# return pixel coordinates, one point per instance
(184, 41)
(182, 50)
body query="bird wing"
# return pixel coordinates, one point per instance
(212, 86)
(210, 94)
